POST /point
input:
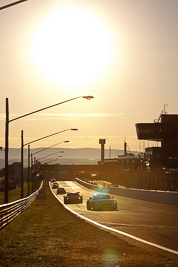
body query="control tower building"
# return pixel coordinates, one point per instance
(165, 131)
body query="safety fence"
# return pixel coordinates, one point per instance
(11, 210)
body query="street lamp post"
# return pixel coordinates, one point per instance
(28, 170)
(7, 135)
(6, 153)
(50, 147)
(49, 156)
(12, 4)
(22, 146)
(32, 154)
(51, 160)
(32, 170)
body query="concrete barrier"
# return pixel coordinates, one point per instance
(163, 197)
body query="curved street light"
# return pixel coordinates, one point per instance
(86, 97)
(73, 129)
(7, 135)
(32, 154)
(48, 156)
(50, 147)
(51, 160)
(41, 161)
(12, 4)
(22, 146)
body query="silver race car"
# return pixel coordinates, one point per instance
(101, 202)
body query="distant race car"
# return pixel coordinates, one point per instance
(61, 190)
(73, 198)
(101, 202)
(55, 185)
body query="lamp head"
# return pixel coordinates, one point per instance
(88, 97)
(66, 141)
(74, 129)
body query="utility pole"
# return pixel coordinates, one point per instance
(6, 153)
(28, 170)
(22, 164)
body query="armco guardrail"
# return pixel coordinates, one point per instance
(163, 197)
(9, 211)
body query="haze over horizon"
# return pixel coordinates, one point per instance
(122, 52)
(62, 155)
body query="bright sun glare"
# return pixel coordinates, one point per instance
(72, 47)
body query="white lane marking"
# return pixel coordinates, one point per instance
(71, 185)
(114, 230)
(139, 225)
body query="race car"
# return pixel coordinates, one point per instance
(55, 185)
(73, 198)
(101, 202)
(61, 190)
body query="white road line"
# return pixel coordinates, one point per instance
(114, 230)
(139, 225)
(72, 185)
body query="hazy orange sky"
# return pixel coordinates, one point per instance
(123, 52)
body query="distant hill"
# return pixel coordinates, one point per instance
(69, 155)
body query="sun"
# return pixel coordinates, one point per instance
(72, 47)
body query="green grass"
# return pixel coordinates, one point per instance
(48, 235)
(15, 194)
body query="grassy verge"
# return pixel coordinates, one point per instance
(48, 235)
(15, 194)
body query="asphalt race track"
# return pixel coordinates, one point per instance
(153, 222)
